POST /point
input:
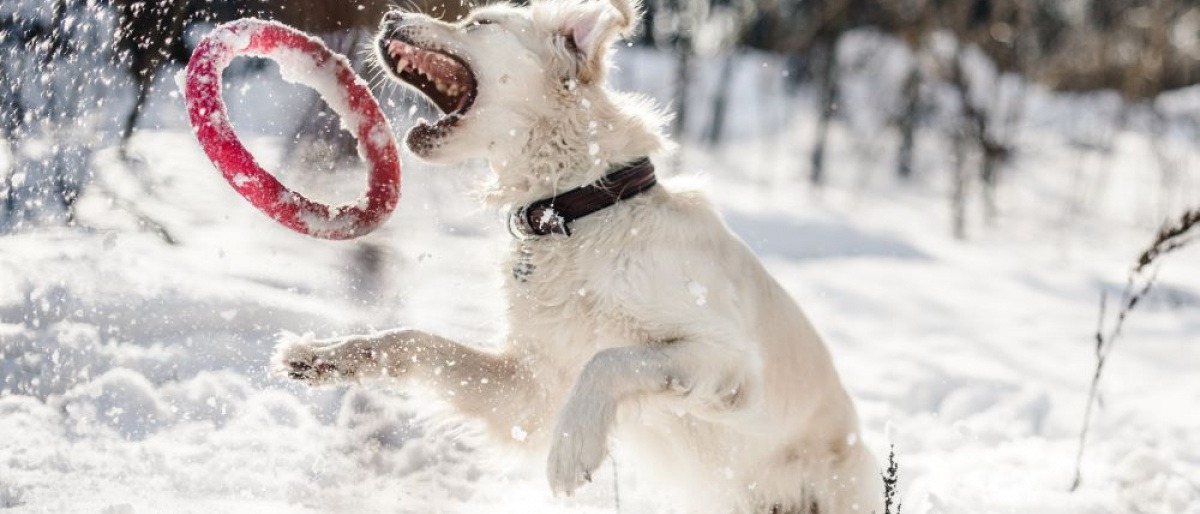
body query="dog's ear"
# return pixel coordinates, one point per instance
(591, 30)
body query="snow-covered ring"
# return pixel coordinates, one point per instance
(303, 60)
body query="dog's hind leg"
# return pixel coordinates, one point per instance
(490, 386)
(706, 378)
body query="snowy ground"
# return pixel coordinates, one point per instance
(132, 372)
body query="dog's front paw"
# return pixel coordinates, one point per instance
(580, 445)
(304, 359)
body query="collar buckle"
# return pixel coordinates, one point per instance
(518, 225)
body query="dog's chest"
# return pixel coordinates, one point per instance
(546, 278)
(556, 296)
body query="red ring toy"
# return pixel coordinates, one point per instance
(305, 60)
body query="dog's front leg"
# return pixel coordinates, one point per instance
(490, 386)
(706, 378)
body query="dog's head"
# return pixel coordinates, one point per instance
(492, 72)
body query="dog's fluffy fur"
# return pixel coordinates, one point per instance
(652, 325)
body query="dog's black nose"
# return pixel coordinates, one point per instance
(393, 17)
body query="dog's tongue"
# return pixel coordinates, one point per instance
(446, 69)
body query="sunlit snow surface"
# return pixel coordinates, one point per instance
(133, 377)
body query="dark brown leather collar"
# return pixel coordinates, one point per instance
(554, 215)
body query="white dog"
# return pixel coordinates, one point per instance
(645, 322)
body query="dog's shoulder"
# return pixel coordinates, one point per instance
(672, 257)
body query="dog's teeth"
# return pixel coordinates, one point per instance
(441, 86)
(395, 48)
(402, 64)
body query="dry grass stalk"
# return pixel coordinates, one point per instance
(1170, 237)
(891, 482)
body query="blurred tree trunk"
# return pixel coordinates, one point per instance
(969, 127)
(908, 123)
(1169, 176)
(980, 126)
(997, 146)
(959, 185)
(825, 59)
(148, 34)
(683, 79)
(721, 98)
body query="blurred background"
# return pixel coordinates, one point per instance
(879, 76)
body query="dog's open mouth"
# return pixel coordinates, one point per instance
(443, 78)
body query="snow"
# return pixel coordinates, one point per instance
(299, 67)
(133, 374)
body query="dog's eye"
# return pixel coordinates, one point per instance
(479, 22)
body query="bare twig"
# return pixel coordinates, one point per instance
(1170, 237)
